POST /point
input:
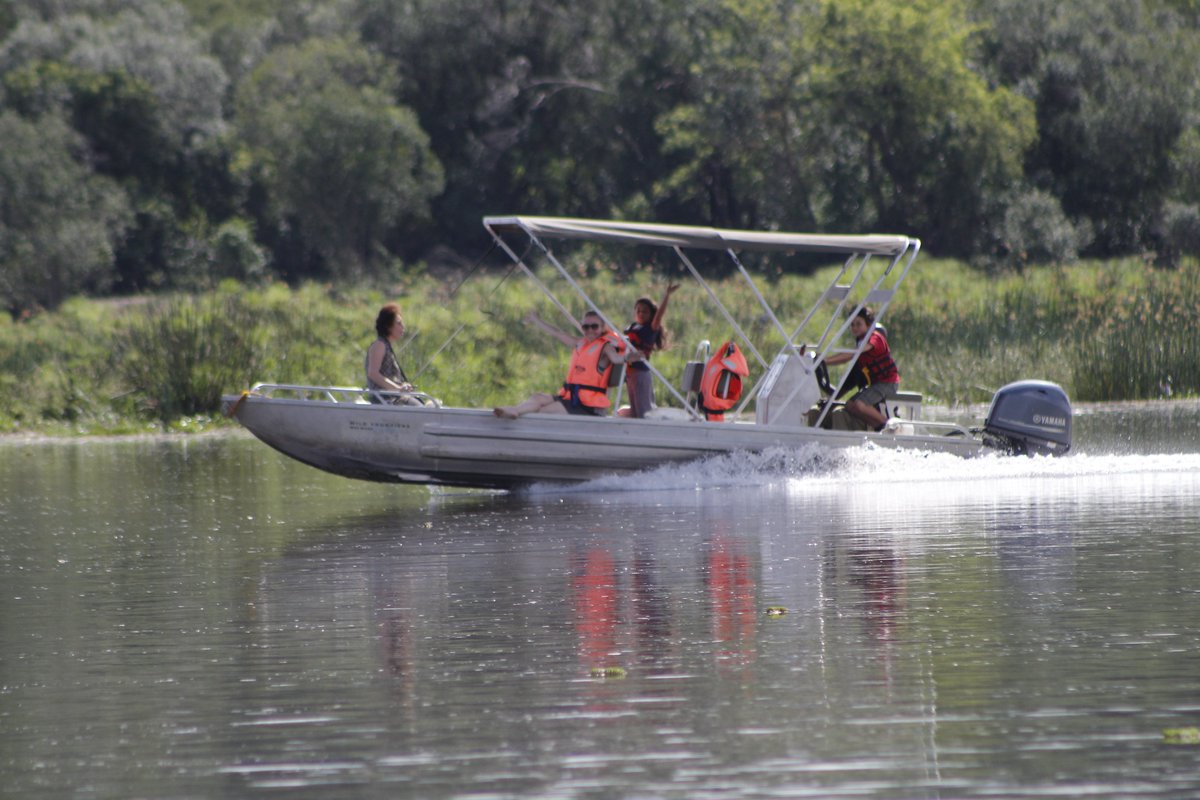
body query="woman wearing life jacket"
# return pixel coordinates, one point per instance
(585, 390)
(882, 376)
(647, 334)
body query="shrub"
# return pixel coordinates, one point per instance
(180, 357)
(1036, 230)
(1180, 231)
(235, 253)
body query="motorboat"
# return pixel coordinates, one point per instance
(781, 398)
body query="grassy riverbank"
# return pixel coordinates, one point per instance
(1110, 331)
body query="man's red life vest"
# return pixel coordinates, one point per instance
(721, 384)
(586, 382)
(877, 362)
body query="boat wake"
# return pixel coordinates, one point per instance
(727, 470)
(817, 467)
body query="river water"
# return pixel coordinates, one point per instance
(200, 617)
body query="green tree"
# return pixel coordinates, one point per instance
(1114, 83)
(116, 113)
(8, 18)
(59, 221)
(149, 40)
(847, 115)
(539, 107)
(918, 141)
(147, 99)
(740, 138)
(343, 168)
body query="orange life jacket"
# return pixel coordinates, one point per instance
(721, 384)
(586, 383)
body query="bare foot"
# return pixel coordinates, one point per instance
(504, 412)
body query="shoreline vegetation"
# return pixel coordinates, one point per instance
(1106, 331)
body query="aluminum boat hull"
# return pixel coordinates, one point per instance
(472, 447)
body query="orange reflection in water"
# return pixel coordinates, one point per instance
(622, 612)
(595, 591)
(732, 595)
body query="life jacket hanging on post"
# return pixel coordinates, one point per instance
(721, 384)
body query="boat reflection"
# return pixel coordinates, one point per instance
(622, 608)
(596, 594)
(622, 599)
(394, 628)
(867, 577)
(733, 603)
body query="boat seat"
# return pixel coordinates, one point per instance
(616, 376)
(693, 371)
(905, 405)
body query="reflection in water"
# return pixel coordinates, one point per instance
(877, 571)
(651, 611)
(596, 593)
(621, 611)
(731, 591)
(864, 578)
(394, 619)
(231, 624)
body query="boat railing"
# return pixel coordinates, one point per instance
(693, 370)
(929, 427)
(341, 394)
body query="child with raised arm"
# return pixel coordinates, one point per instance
(647, 334)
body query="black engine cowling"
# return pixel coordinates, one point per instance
(1029, 417)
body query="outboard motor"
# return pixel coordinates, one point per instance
(1029, 418)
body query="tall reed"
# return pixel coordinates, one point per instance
(1141, 343)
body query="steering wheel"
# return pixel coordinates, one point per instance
(855, 380)
(823, 379)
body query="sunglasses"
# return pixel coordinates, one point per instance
(590, 326)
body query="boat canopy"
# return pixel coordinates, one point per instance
(688, 236)
(821, 328)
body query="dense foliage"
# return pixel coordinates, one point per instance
(169, 144)
(1103, 330)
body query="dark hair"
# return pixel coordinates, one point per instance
(867, 314)
(387, 317)
(661, 341)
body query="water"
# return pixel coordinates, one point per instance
(202, 618)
